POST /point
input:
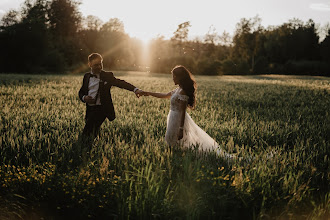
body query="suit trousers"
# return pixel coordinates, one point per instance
(95, 116)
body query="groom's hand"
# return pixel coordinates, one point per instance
(89, 100)
(138, 93)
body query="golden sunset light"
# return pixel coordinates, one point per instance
(164, 109)
(147, 19)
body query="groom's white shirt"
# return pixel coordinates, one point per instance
(93, 88)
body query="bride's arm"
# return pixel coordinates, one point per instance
(183, 115)
(158, 95)
(183, 108)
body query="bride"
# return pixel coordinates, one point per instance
(181, 129)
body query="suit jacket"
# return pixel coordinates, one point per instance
(107, 80)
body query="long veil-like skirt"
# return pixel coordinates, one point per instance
(193, 135)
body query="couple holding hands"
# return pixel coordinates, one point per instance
(181, 129)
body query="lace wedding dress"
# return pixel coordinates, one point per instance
(193, 135)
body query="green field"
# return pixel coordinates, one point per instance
(131, 172)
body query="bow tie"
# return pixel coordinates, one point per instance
(93, 75)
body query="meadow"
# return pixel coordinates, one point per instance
(131, 173)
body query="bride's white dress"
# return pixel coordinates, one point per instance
(193, 135)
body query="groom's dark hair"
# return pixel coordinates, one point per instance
(94, 56)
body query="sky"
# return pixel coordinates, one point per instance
(147, 19)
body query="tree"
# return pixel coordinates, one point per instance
(90, 33)
(211, 37)
(11, 18)
(225, 39)
(181, 34)
(247, 41)
(113, 43)
(64, 17)
(325, 47)
(92, 23)
(113, 25)
(29, 35)
(65, 21)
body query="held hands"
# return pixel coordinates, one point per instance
(140, 92)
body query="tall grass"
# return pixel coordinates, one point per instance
(45, 171)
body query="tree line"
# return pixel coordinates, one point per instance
(53, 36)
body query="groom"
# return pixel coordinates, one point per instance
(95, 92)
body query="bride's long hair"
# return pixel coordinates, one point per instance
(187, 83)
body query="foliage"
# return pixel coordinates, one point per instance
(208, 67)
(46, 172)
(181, 34)
(52, 36)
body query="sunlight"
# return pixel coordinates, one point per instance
(143, 36)
(143, 63)
(145, 55)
